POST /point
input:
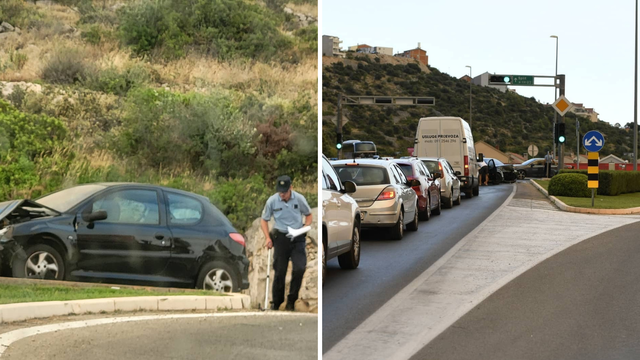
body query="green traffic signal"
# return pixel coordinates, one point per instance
(561, 139)
(338, 146)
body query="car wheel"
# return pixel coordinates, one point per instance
(351, 259)
(425, 215)
(476, 190)
(521, 175)
(324, 260)
(397, 231)
(217, 276)
(457, 200)
(448, 201)
(438, 209)
(413, 226)
(41, 262)
(498, 179)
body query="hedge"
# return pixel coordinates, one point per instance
(612, 182)
(573, 185)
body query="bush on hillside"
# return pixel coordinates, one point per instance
(19, 13)
(65, 66)
(117, 82)
(573, 185)
(225, 29)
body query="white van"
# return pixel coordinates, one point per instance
(450, 138)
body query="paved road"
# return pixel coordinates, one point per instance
(387, 266)
(263, 338)
(581, 303)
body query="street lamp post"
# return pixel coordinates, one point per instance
(470, 81)
(555, 92)
(635, 102)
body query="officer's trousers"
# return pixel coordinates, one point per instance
(284, 249)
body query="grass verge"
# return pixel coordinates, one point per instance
(10, 294)
(623, 201)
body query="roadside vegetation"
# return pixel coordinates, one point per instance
(37, 292)
(623, 201)
(218, 98)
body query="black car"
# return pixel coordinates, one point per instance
(500, 172)
(123, 233)
(535, 168)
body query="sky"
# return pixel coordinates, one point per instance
(596, 42)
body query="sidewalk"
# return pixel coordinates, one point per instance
(526, 230)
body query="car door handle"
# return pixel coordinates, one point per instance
(159, 236)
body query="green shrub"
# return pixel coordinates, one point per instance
(573, 185)
(614, 182)
(66, 66)
(225, 29)
(18, 59)
(29, 135)
(113, 81)
(19, 13)
(93, 34)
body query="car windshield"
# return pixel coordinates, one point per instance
(432, 165)
(363, 175)
(529, 161)
(64, 200)
(406, 169)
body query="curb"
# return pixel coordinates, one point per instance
(564, 207)
(34, 310)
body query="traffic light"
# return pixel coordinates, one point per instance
(339, 141)
(560, 137)
(499, 80)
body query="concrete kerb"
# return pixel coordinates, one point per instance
(564, 207)
(33, 310)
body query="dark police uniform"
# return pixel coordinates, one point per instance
(287, 214)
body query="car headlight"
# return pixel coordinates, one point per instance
(5, 234)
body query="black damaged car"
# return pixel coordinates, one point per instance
(123, 233)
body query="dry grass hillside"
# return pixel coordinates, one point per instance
(150, 91)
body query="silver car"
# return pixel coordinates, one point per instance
(383, 193)
(449, 182)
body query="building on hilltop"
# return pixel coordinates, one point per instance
(588, 113)
(331, 46)
(417, 53)
(366, 49)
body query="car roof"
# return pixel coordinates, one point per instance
(151, 186)
(378, 162)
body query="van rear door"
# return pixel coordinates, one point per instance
(451, 143)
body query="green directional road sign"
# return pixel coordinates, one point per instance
(521, 80)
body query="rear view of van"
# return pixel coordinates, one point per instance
(450, 138)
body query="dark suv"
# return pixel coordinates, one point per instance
(123, 233)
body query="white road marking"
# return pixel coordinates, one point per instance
(10, 337)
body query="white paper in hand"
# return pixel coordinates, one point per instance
(297, 232)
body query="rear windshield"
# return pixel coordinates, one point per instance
(406, 169)
(362, 175)
(431, 165)
(364, 147)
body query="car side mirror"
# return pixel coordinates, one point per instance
(458, 173)
(414, 182)
(531, 165)
(437, 175)
(96, 216)
(480, 157)
(349, 187)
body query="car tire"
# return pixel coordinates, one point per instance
(476, 190)
(457, 201)
(498, 179)
(438, 209)
(46, 256)
(425, 215)
(324, 260)
(351, 259)
(217, 276)
(522, 175)
(397, 231)
(413, 226)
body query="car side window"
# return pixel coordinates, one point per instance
(324, 181)
(394, 172)
(332, 177)
(401, 178)
(130, 207)
(183, 209)
(425, 170)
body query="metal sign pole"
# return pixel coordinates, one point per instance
(578, 144)
(593, 195)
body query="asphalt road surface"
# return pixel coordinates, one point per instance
(581, 303)
(247, 337)
(387, 266)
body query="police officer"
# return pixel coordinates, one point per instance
(287, 208)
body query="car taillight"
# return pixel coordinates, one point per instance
(387, 194)
(466, 165)
(416, 189)
(440, 167)
(237, 238)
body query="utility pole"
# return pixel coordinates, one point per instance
(339, 122)
(635, 102)
(561, 147)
